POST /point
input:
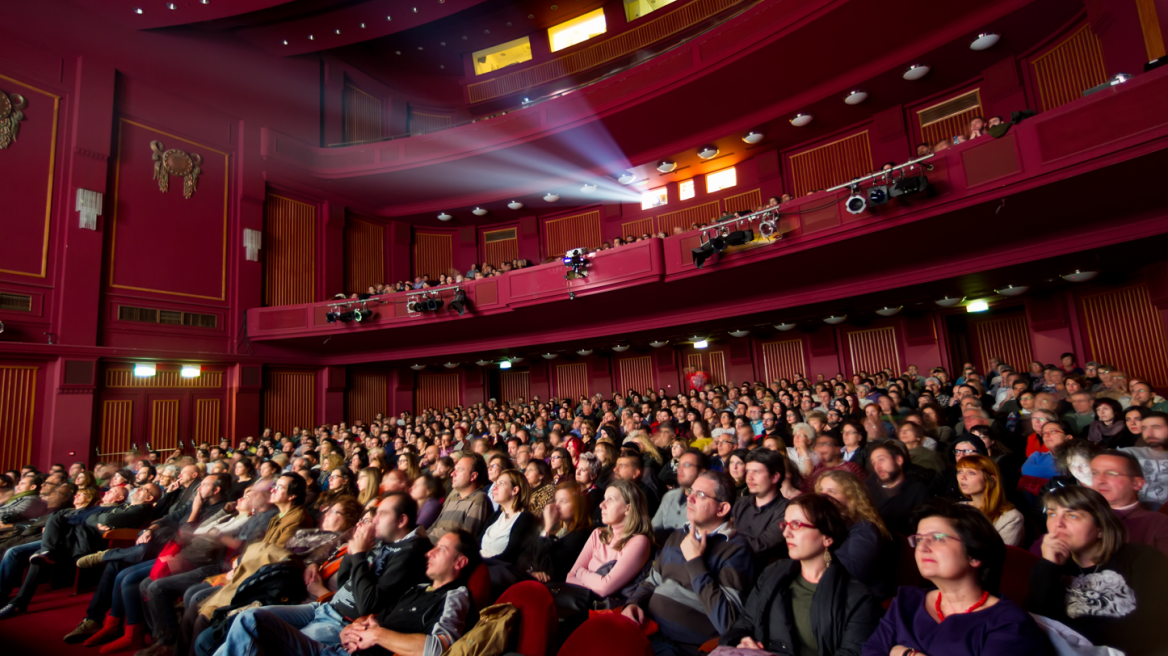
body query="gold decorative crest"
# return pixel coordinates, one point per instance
(10, 117)
(176, 162)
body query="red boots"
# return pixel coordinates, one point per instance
(133, 640)
(111, 628)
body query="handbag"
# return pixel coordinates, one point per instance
(490, 634)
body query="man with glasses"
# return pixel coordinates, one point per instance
(757, 516)
(723, 445)
(671, 515)
(829, 448)
(696, 586)
(1118, 477)
(1153, 458)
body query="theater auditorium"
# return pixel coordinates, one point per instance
(621, 327)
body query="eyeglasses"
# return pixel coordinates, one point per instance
(965, 452)
(930, 539)
(795, 525)
(699, 495)
(1109, 474)
(686, 465)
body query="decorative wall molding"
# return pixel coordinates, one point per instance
(176, 162)
(10, 117)
(92, 154)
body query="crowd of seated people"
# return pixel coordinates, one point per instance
(978, 127)
(776, 516)
(424, 281)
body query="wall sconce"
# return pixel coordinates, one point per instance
(89, 205)
(252, 242)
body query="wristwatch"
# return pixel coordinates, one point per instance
(909, 652)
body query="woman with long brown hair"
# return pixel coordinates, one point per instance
(562, 467)
(408, 462)
(368, 485)
(510, 526)
(625, 541)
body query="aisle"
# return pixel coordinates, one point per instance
(40, 631)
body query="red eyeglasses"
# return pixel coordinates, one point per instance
(795, 525)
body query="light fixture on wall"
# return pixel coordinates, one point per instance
(621, 348)
(478, 211)
(505, 364)
(753, 137)
(89, 205)
(1079, 276)
(835, 319)
(889, 311)
(628, 177)
(191, 371)
(450, 365)
(984, 41)
(252, 242)
(916, 72)
(515, 205)
(144, 370)
(741, 332)
(588, 188)
(444, 217)
(417, 367)
(551, 198)
(977, 306)
(584, 352)
(801, 120)
(948, 301)
(666, 166)
(1013, 290)
(784, 327)
(708, 152)
(658, 343)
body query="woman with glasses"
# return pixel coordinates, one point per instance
(808, 603)
(1042, 466)
(1091, 579)
(340, 483)
(981, 483)
(960, 553)
(562, 467)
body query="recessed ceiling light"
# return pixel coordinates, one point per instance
(515, 205)
(627, 178)
(551, 198)
(444, 217)
(801, 119)
(171, 6)
(337, 31)
(311, 38)
(916, 72)
(138, 10)
(856, 97)
(1079, 276)
(665, 166)
(285, 41)
(708, 152)
(478, 211)
(362, 25)
(753, 137)
(389, 18)
(984, 41)
(415, 10)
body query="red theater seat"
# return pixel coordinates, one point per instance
(1016, 574)
(537, 616)
(610, 635)
(479, 585)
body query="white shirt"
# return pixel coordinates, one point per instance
(498, 535)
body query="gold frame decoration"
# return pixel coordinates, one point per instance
(176, 162)
(10, 117)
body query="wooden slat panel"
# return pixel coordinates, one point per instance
(873, 350)
(364, 255)
(782, 359)
(164, 424)
(208, 425)
(1150, 26)
(1068, 68)
(366, 396)
(1007, 339)
(362, 115)
(576, 231)
(162, 379)
(436, 391)
(696, 361)
(610, 48)
(636, 373)
(117, 424)
(421, 122)
(500, 251)
(749, 200)
(717, 368)
(571, 380)
(831, 164)
(950, 127)
(433, 254)
(1124, 329)
(289, 251)
(289, 400)
(18, 391)
(705, 213)
(638, 227)
(515, 384)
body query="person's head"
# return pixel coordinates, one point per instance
(426, 487)
(1055, 434)
(691, 463)
(629, 466)
(29, 483)
(341, 514)
(85, 497)
(588, 469)
(470, 473)
(114, 496)
(1117, 476)
(455, 552)
(624, 505)
(888, 459)
(724, 444)
(537, 473)
(710, 500)
(1082, 518)
(571, 506)
(827, 447)
(396, 516)
(213, 486)
(1155, 430)
(813, 527)
(978, 477)
(511, 490)
(955, 542)
(846, 488)
(289, 490)
(188, 475)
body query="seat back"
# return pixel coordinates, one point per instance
(907, 573)
(479, 586)
(610, 635)
(537, 616)
(1016, 574)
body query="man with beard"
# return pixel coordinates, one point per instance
(895, 496)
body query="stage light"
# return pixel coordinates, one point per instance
(856, 203)
(708, 152)
(576, 263)
(665, 166)
(977, 306)
(906, 186)
(701, 344)
(703, 253)
(784, 327)
(801, 120)
(948, 301)
(332, 317)
(515, 205)
(740, 237)
(835, 319)
(362, 315)
(505, 364)
(191, 371)
(1079, 276)
(878, 195)
(460, 304)
(753, 137)
(551, 198)
(856, 97)
(478, 211)
(434, 303)
(889, 311)
(444, 217)
(984, 41)
(916, 72)
(144, 370)
(1013, 290)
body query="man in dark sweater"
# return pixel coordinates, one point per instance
(372, 578)
(895, 496)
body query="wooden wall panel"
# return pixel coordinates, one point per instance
(749, 201)
(500, 246)
(636, 373)
(364, 255)
(705, 213)
(949, 127)
(1123, 328)
(117, 425)
(208, 421)
(18, 392)
(576, 231)
(423, 122)
(831, 164)
(783, 359)
(367, 395)
(164, 418)
(1150, 27)
(362, 115)
(289, 399)
(638, 227)
(125, 378)
(433, 254)
(717, 369)
(571, 380)
(515, 384)
(437, 391)
(873, 350)
(1068, 68)
(1007, 339)
(289, 251)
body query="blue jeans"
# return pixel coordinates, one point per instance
(127, 601)
(13, 565)
(308, 630)
(662, 647)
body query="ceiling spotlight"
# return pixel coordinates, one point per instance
(515, 205)
(753, 137)
(478, 211)
(450, 365)
(708, 152)
(584, 352)
(1079, 276)
(138, 10)
(984, 41)
(550, 356)
(285, 41)
(551, 198)
(836, 319)
(977, 306)
(337, 31)
(444, 217)
(665, 166)
(889, 311)
(739, 333)
(505, 364)
(1013, 290)
(856, 203)
(916, 72)
(144, 370)
(362, 25)
(701, 344)
(417, 367)
(856, 97)
(627, 178)
(948, 301)
(482, 363)
(191, 371)
(621, 348)
(784, 327)
(801, 119)
(171, 6)
(658, 343)
(588, 188)
(311, 38)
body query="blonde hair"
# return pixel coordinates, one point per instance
(647, 446)
(372, 478)
(995, 504)
(638, 521)
(859, 506)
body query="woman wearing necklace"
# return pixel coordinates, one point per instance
(1092, 581)
(959, 552)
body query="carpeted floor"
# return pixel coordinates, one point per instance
(53, 613)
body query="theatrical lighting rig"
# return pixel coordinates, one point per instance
(348, 312)
(891, 183)
(430, 300)
(736, 232)
(576, 261)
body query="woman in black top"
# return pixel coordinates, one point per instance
(566, 527)
(511, 526)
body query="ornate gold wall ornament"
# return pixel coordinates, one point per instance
(10, 117)
(176, 162)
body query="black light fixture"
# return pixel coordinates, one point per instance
(332, 317)
(878, 195)
(362, 314)
(460, 304)
(714, 245)
(740, 237)
(434, 303)
(576, 263)
(856, 203)
(911, 185)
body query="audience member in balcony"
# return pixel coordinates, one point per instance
(924, 149)
(757, 515)
(868, 552)
(941, 145)
(1118, 477)
(466, 506)
(1095, 581)
(958, 551)
(1153, 458)
(809, 604)
(894, 495)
